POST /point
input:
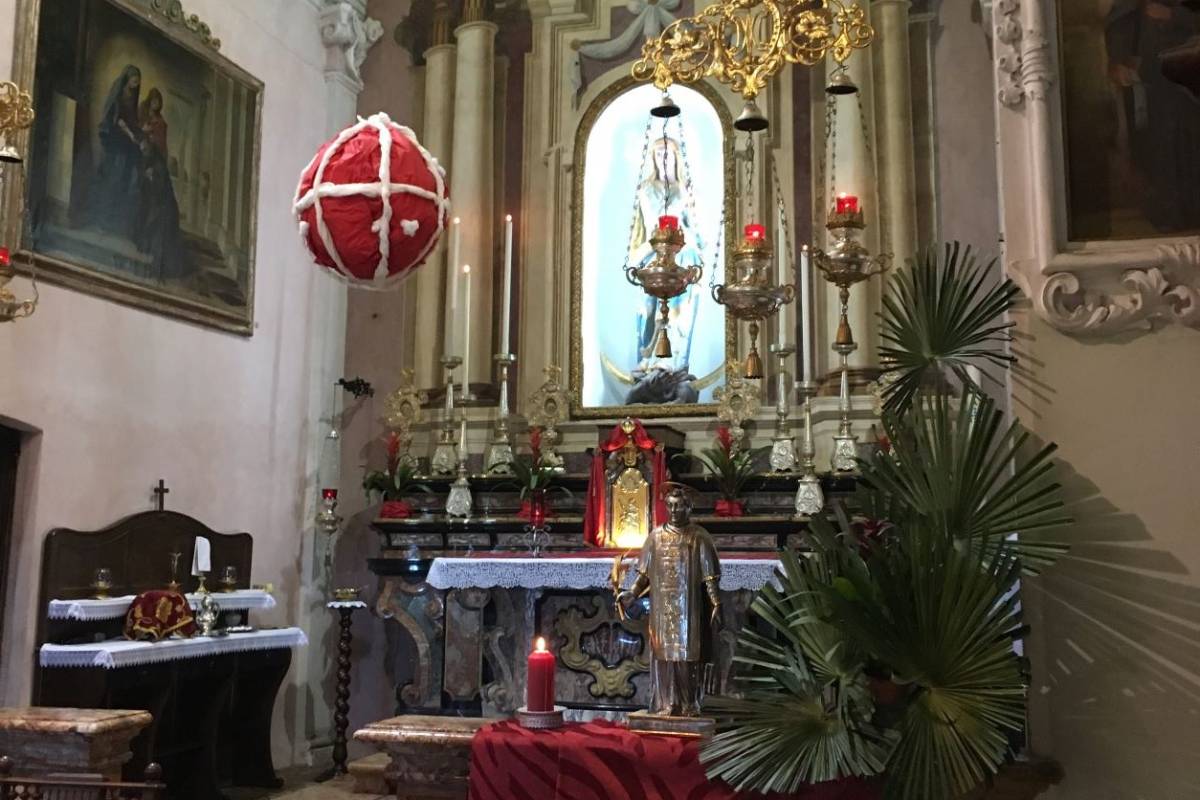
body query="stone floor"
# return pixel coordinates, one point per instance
(300, 785)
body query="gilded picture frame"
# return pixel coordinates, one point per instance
(582, 134)
(184, 245)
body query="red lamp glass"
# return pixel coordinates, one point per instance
(668, 221)
(5, 258)
(755, 232)
(846, 204)
(329, 494)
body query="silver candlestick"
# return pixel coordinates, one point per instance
(810, 500)
(499, 454)
(783, 451)
(845, 443)
(459, 502)
(445, 456)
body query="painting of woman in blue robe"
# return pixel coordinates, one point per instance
(114, 196)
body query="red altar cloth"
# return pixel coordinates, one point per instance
(603, 761)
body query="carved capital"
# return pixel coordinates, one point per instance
(347, 34)
(1022, 52)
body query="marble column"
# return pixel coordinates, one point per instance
(894, 129)
(437, 137)
(471, 184)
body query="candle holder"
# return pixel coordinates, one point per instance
(848, 262)
(751, 297)
(810, 500)
(328, 520)
(499, 456)
(662, 278)
(459, 502)
(783, 451)
(445, 455)
(541, 720)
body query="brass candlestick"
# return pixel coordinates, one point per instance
(783, 451)
(499, 454)
(445, 456)
(810, 500)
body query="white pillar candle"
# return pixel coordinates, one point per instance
(466, 374)
(808, 325)
(785, 323)
(505, 319)
(454, 264)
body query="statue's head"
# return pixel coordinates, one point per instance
(679, 503)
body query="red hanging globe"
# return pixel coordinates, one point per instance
(372, 220)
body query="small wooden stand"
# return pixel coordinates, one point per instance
(341, 707)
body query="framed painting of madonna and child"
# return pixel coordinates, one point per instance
(140, 181)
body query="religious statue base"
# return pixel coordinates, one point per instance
(644, 722)
(541, 720)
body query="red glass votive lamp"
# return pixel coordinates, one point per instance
(755, 232)
(846, 204)
(329, 494)
(668, 221)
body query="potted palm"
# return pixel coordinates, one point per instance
(393, 483)
(887, 655)
(731, 467)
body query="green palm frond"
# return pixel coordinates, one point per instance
(942, 312)
(805, 715)
(954, 466)
(943, 617)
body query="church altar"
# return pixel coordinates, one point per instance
(119, 653)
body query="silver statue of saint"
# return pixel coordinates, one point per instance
(680, 571)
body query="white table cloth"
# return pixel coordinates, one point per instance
(113, 607)
(117, 653)
(572, 573)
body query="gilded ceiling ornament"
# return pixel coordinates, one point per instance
(743, 43)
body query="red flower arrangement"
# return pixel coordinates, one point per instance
(731, 467)
(394, 482)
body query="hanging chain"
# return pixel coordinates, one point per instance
(666, 177)
(782, 218)
(831, 112)
(749, 176)
(862, 122)
(636, 207)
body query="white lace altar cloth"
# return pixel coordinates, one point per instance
(573, 573)
(114, 607)
(117, 653)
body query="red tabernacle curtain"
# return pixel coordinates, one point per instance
(603, 761)
(593, 518)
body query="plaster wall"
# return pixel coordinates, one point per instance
(1115, 694)
(115, 398)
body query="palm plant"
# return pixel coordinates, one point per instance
(931, 603)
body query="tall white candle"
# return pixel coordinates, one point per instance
(453, 271)
(808, 311)
(466, 374)
(785, 323)
(505, 318)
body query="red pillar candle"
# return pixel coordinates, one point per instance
(755, 232)
(847, 204)
(539, 683)
(668, 221)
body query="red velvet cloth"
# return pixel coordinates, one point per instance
(603, 761)
(593, 518)
(157, 614)
(729, 508)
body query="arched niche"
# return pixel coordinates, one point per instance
(618, 192)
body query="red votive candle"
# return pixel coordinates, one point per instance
(668, 221)
(329, 494)
(539, 682)
(755, 232)
(847, 204)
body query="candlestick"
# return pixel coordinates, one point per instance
(466, 373)
(499, 456)
(786, 328)
(810, 500)
(808, 322)
(505, 317)
(445, 455)
(539, 684)
(783, 453)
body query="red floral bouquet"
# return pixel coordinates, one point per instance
(731, 467)
(534, 475)
(394, 483)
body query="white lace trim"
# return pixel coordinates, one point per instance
(346, 604)
(114, 607)
(572, 573)
(118, 653)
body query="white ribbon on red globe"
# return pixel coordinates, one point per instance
(385, 275)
